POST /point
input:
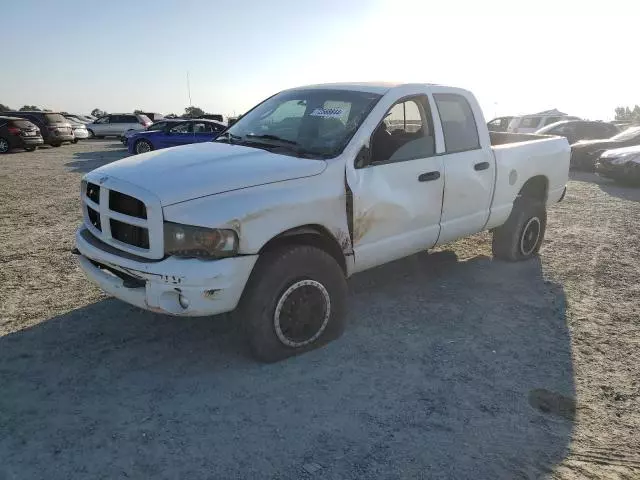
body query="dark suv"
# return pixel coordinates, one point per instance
(54, 127)
(18, 133)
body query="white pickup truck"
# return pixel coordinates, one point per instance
(309, 187)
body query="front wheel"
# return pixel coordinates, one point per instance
(91, 134)
(143, 146)
(520, 238)
(295, 301)
(75, 140)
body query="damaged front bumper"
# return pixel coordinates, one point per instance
(175, 286)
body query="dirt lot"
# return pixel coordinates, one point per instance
(453, 365)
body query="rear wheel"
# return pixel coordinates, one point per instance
(143, 146)
(295, 301)
(4, 145)
(520, 238)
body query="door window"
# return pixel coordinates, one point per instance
(201, 127)
(102, 120)
(180, 128)
(406, 133)
(458, 123)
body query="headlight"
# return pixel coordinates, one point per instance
(199, 242)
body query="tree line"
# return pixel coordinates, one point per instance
(627, 114)
(190, 111)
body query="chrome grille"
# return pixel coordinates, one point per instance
(123, 216)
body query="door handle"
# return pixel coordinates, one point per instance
(426, 177)
(481, 166)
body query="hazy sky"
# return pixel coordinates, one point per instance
(516, 56)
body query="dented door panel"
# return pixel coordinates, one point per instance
(394, 213)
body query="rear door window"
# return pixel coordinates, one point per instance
(530, 122)
(130, 119)
(551, 120)
(458, 123)
(180, 128)
(22, 124)
(54, 118)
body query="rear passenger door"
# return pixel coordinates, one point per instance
(130, 122)
(469, 169)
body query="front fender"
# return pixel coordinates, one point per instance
(260, 213)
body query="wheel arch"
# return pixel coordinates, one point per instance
(312, 235)
(535, 188)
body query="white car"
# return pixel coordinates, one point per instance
(532, 123)
(311, 186)
(116, 124)
(79, 129)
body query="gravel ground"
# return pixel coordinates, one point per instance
(453, 365)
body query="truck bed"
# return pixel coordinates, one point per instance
(504, 138)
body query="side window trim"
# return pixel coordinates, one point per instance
(475, 123)
(421, 99)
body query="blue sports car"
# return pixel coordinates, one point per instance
(172, 133)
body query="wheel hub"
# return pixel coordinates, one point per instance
(530, 236)
(4, 145)
(302, 313)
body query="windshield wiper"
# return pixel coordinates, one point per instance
(272, 137)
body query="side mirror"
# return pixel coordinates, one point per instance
(363, 158)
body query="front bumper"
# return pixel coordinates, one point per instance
(209, 287)
(628, 172)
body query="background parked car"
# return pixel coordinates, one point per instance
(175, 133)
(499, 124)
(584, 154)
(576, 130)
(621, 164)
(80, 131)
(116, 124)
(154, 117)
(161, 125)
(18, 133)
(531, 123)
(54, 128)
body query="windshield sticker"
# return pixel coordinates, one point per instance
(328, 112)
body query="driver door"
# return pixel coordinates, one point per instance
(397, 196)
(178, 135)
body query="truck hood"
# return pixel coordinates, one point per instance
(183, 173)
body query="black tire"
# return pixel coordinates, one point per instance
(75, 140)
(520, 238)
(30, 149)
(5, 146)
(56, 144)
(91, 134)
(284, 287)
(142, 146)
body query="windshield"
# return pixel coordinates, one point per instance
(628, 134)
(54, 118)
(552, 127)
(317, 123)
